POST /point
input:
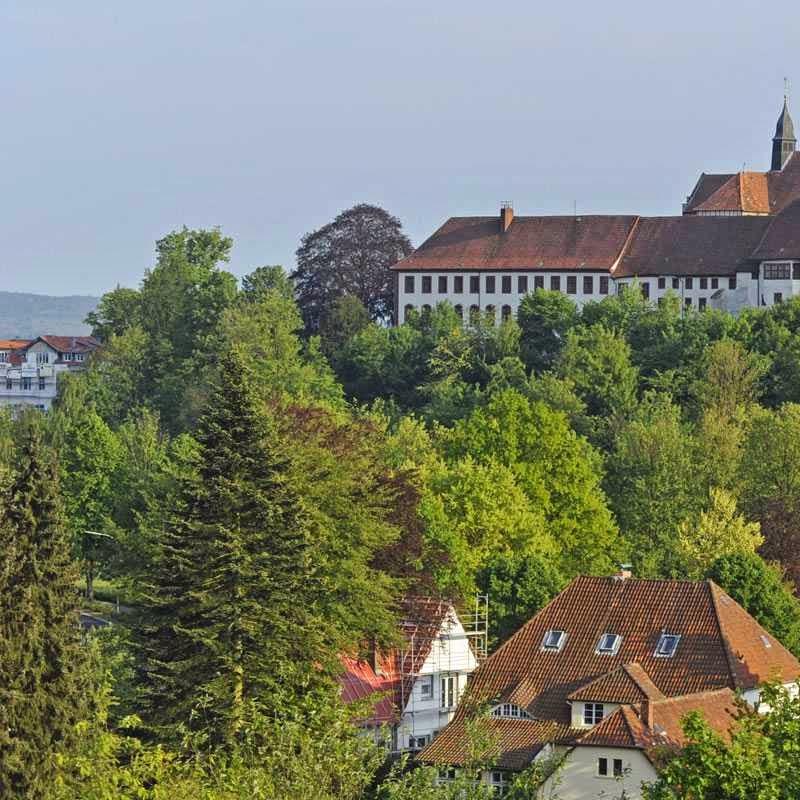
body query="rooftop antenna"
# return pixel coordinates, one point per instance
(575, 208)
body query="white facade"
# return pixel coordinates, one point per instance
(437, 686)
(501, 292)
(33, 383)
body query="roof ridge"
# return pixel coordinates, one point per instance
(723, 636)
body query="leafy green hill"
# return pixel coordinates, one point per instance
(26, 315)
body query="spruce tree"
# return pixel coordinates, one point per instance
(228, 619)
(43, 683)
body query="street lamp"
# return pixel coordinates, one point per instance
(90, 564)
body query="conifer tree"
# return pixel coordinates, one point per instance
(228, 626)
(43, 683)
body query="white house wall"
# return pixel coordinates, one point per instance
(450, 654)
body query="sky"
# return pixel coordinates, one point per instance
(122, 121)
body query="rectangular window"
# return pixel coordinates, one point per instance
(490, 282)
(687, 301)
(646, 290)
(25, 384)
(704, 283)
(426, 687)
(796, 271)
(417, 742)
(603, 284)
(662, 283)
(43, 358)
(8, 384)
(676, 282)
(715, 283)
(555, 283)
(667, 645)
(777, 297)
(731, 283)
(443, 284)
(448, 696)
(458, 284)
(474, 284)
(572, 284)
(41, 384)
(592, 713)
(408, 284)
(617, 767)
(426, 284)
(701, 303)
(506, 281)
(500, 783)
(602, 767)
(588, 284)
(522, 284)
(777, 272)
(538, 282)
(689, 283)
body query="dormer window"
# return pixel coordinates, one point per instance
(667, 645)
(510, 711)
(609, 644)
(554, 640)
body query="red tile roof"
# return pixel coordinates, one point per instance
(69, 344)
(359, 681)
(747, 192)
(626, 684)
(518, 741)
(585, 242)
(782, 238)
(14, 344)
(721, 647)
(691, 245)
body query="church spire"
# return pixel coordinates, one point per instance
(783, 143)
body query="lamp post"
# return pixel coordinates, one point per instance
(90, 563)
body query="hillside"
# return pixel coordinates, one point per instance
(25, 315)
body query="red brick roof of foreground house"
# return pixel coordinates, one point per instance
(68, 344)
(720, 646)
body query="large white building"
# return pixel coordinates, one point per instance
(420, 682)
(737, 244)
(30, 368)
(600, 679)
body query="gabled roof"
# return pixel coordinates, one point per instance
(585, 242)
(626, 684)
(747, 192)
(627, 727)
(691, 245)
(518, 741)
(68, 344)
(720, 645)
(359, 680)
(14, 344)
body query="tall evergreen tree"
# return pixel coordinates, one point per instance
(43, 688)
(228, 627)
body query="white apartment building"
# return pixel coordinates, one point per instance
(30, 368)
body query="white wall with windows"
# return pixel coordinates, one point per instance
(437, 687)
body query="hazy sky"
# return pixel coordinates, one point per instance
(120, 121)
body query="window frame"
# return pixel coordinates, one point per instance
(593, 713)
(458, 284)
(441, 284)
(490, 284)
(409, 284)
(474, 284)
(505, 284)
(661, 651)
(522, 284)
(427, 284)
(426, 682)
(448, 690)
(538, 282)
(558, 645)
(555, 283)
(588, 284)
(616, 643)
(604, 285)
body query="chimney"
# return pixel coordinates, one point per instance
(647, 713)
(506, 215)
(625, 572)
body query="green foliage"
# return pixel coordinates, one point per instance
(43, 685)
(263, 281)
(347, 317)
(117, 311)
(760, 589)
(760, 762)
(545, 318)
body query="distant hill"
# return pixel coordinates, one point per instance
(27, 315)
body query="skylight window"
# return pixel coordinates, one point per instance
(609, 644)
(765, 641)
(554, 640)
(667, 645)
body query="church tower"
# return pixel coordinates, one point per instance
(783, 143)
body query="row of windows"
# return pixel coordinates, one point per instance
(510, 711)
(25, 384)
(782, 272)
(609, 643)
(506, 282)
(474, 311)
(449, 689)
(704, 283)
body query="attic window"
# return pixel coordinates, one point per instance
(510, 711)
(667, 645)
(609, 644)
(765, 640)
(554, 640)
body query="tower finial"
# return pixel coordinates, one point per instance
(785, 90)
(784, 142)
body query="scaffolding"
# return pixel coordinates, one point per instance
(434, 636)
